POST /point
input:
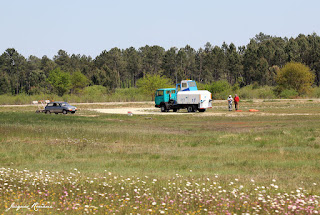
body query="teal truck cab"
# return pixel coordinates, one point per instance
(165, 97)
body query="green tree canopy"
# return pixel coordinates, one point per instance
(296, 76)
(150, 83)
(78, 81)
(255, 62)
(60, 81)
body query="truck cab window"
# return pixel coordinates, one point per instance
(184, 85)
(160, 93)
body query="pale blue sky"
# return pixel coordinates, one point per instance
(42, 27)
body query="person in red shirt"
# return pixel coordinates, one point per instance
(236, 101)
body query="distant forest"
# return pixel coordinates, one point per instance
(257, 62)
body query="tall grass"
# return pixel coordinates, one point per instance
(119, 95)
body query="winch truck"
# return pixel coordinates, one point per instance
(185, 96)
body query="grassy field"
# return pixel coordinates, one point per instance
(276, 149)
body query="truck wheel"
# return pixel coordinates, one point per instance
(163, 108)
(64, 112)
(190, 109)
(195, 108)
(48, 112)
(202, 110)
(175, 110)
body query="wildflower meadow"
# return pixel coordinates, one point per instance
(73, 193)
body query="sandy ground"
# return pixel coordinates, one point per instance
(138, 111)
(156, 111)
(147, 108)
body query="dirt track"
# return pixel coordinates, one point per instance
(139, 111)
(219, 108)
(156, 111)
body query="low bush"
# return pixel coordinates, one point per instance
(288, 94)
(128, 94)
(316, 92)
(253, 92)
(219, 89)
(266, 92)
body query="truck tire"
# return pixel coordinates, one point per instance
(163, 108)
(202, 110)
(48, 112)
(195, 108)
(175, 109)
(190, 109)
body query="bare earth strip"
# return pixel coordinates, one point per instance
(139, 111)
(156, 111)
(147, 108)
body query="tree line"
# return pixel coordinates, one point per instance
(258, 62)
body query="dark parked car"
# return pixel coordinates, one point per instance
(59, 107)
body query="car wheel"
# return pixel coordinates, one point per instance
(56, 113)
(64, 112)
(48, 112)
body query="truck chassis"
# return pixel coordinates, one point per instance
(167, 106)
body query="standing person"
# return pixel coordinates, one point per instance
(236, 101)
(230, 100)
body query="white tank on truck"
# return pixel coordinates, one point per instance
(185, 96)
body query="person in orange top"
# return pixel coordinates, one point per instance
(236, 101)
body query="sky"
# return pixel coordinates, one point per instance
(42, 27)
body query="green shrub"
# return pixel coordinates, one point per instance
(95, 90)
(219, 89)
(95, 93)
(289, 94)
(219, 86)
(222, 95)
(128, 94)
(316, 92)
(248, 93)
(202, 86)
(266, 92)
(254, 92)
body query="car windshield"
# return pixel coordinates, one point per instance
(64, 104)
